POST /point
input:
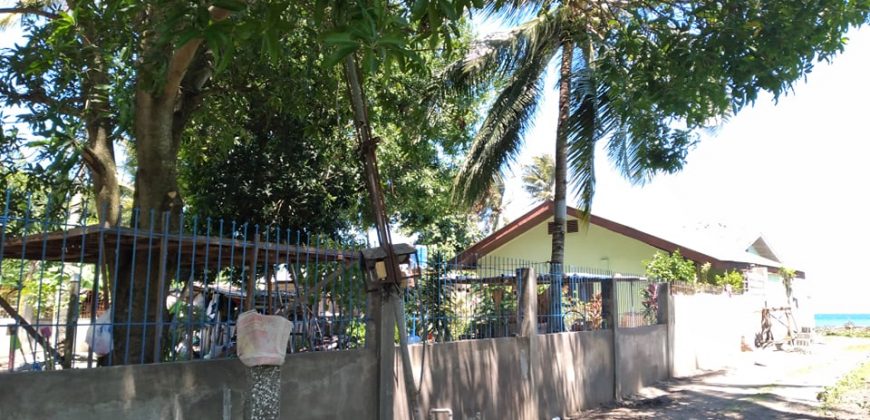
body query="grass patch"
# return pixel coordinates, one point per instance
(833, 395)
(848, 332)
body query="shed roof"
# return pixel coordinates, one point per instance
(83, 244)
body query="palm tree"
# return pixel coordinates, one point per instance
(539, 178)
(521, 59)
(637, 143)
(492, 205)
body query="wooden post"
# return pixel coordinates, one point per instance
(72, 321)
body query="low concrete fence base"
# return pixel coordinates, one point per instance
(329, 385)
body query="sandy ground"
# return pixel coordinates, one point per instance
(764, 384)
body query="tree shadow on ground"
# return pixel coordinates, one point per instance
(707, 404)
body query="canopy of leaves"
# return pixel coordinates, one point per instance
(645, 76)
(274, 142)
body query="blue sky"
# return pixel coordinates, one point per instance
(795, 171)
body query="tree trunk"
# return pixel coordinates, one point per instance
(161, 114)
(104, 173)
(143, 281)
(560, 211)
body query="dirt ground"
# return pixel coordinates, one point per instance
(765, 384)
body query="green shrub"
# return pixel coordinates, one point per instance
(733, 277)
(670, 267)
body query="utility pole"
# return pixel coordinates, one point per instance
(368, 147)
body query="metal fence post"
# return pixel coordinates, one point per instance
(614, 325)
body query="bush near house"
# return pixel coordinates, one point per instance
(670, 267)
(733, 277)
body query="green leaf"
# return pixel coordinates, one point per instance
(419, 8)
(339, 54)
(339, 38)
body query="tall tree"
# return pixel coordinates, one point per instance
(641, 76)
(92, 73)
(539, 178)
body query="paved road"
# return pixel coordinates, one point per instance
(759, 385)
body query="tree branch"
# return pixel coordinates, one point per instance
(183, 57)
(38, 97)
(29, 11)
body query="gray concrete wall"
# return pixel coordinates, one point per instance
(542, 376)
(327, 385)
(488, 378)
(575, 372)
(643, 357)
(539, 377)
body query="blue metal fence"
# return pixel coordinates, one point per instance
(456, 301)
(75, 292)
(79, 293)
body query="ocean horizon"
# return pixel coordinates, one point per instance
(838, 320)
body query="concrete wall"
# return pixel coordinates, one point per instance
(489, 378)
(535, 377)
(708, 330)
(538, 377)
(595, 248)
(643, 357)
(328, 385)
(576, 372)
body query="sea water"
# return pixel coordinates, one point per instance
(838, 320)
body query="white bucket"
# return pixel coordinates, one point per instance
(262, 339)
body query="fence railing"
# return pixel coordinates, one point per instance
(455, 301)
(75, 292)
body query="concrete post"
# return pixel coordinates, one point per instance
(386, 356)
(527, 309)
(265, 393)
(614, 325)
(670, 319)
(527, 320)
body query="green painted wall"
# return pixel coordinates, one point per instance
(592, 248)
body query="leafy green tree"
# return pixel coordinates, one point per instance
(270, 147)
(639, 75)
(670, 267)
(94, 74)
(538, 178)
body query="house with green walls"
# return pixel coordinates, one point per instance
(604, 245)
